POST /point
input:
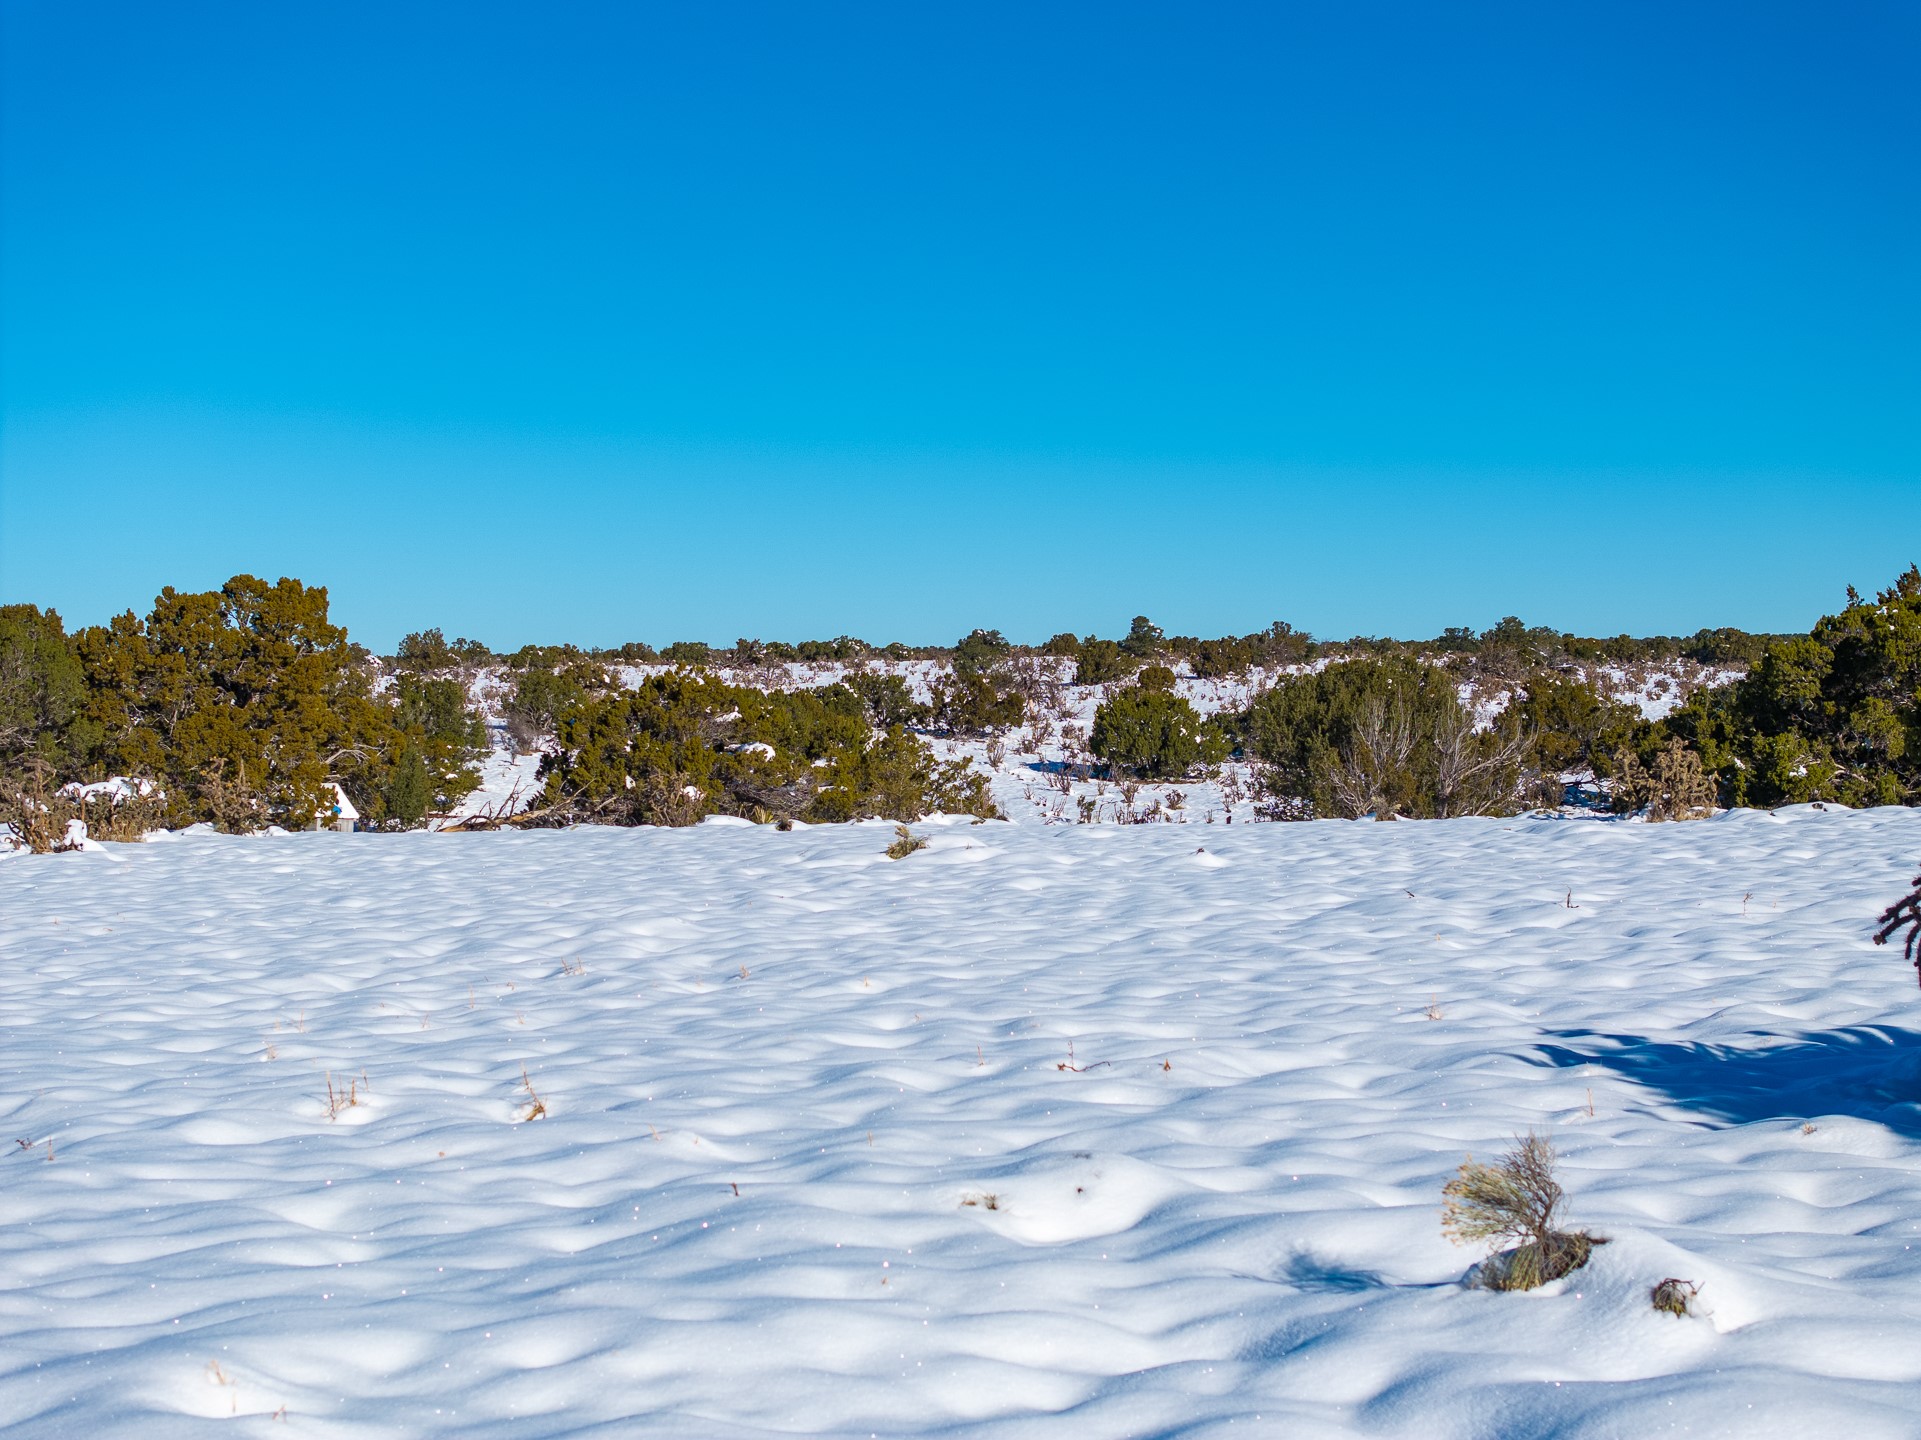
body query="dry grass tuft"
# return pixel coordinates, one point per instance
(338, 1099)
(906, 842)
(1516, 1199)
(985, 1202)
(1675, 1297)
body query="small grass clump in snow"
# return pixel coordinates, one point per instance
(1675, 1297)
(338, 1099)
(906, 842)
(1517, 1198)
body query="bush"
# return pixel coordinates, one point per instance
(429, 650)
(1149, 731)
(688, 652)
(888, 699)
(1384, 737)
(974, 704)
(1278, 645)
(544, 699)
(906, 842)
(1100, 662)
(980, 652)
(1573, 725)
(1518, 1199)
(250, 680)
(681, 746)
(1144, 639)
(841, 647)
(43, 691)
(1675, 788)
(1832, 715)
(1219, 659)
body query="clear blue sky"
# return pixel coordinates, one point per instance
(609, 322)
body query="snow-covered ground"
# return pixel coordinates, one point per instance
(810, 1162)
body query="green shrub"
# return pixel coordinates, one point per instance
(841, 647)
(1832, 715)
(1149, 731)
(683, 745)
(409, 792)
(688, 652)
(888, 698)
(980, 652)
(975, 704)
(544, 699)
(43, 692)
(1384, 737)
(1219, 659)
(1574, 726)
(1144, 639)
(1101, 662)
(430, 650)
(429, 767)
(250, 679)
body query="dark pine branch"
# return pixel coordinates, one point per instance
(1904, 914)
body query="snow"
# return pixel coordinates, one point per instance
(784, 1075)
(116, 788)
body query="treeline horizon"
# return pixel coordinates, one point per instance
(1279, 644)
(249, 706)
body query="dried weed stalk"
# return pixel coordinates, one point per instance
(533, 1108)
(338, 1099)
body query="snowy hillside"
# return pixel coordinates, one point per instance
(1087, 1131)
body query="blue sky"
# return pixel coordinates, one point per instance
(619, 322)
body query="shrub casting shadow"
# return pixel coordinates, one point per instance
(1870, 1072)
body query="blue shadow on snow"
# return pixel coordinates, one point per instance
(1870, 1072)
